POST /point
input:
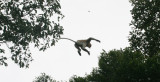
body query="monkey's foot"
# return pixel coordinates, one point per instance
(79, 54)
(88, 53)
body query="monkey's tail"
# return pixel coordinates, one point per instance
(68, 39)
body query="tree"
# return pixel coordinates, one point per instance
(94, 76)
(23, 22)
(124, 66)
(77, 79)
(128, 66)
(44, 78)
(145, 36)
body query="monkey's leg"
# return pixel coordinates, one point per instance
(86, 51)
(79, 50)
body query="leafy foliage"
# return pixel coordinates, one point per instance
(121, 65)
(44, 78)
(124, 66)
(145, 36)
(2, 61)
(28, 21)
(77, 79)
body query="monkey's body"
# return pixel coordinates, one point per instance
(81, 44)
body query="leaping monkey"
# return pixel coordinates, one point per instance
(81, 44)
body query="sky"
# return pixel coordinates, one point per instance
(106, 20)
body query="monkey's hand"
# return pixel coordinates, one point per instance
(98, 41)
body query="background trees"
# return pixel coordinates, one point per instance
(77, 79)
(145, 35)
(28, 21)
(128, 66)
(123, 66)
(44, 78)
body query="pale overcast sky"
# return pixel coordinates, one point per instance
(106, 20)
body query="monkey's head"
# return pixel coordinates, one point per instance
(89, 45)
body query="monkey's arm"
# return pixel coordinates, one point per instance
(89, 39)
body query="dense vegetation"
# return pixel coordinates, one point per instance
(123, 66)
(44, 78)
(28, 21)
